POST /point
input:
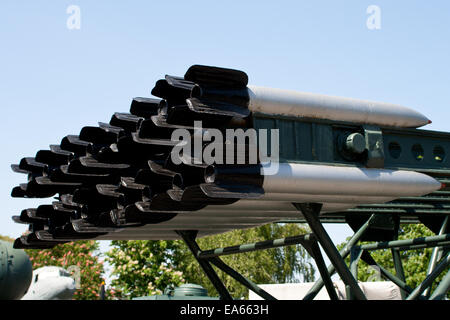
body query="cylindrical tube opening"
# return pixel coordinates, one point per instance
(210, 174)
(196, 92)
(177, 181)
(240, 174)
(162, 108)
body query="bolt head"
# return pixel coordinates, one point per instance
(355, 143)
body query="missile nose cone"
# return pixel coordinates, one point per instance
(443, 186)
(429, 121)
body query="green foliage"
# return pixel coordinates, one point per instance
(142, 268)
(415, 262)
(148, 267)
(82, 254)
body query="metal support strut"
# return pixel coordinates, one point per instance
(206, 258)
(344, 253)
(189, 239)
(314, 250)
(311, 213)
(434, 255)
(430, 278)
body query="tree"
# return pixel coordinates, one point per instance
(415, 262)
(148, 267)
(143, 268)
(81, 254)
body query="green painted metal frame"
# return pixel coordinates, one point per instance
(423, 290)
(435, 255)
(314, 140)
(311, 213)
(409, 244)
(343, 253)
(442, 289)
(430, 278)
(268, 244)
(189, 238)
(308, 241)
(349, 274)
(399, 268)
(366, 257)
(208, 257)
(317, 141)
(240, 278)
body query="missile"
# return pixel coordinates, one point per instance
(343, 180)
(214, 86)
(310, 105)
(322, 198)
(317, 183)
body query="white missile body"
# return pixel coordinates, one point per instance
(297, 178)
(323, 198)
(301, 104)
(338, 188)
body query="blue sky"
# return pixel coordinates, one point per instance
(54, 81)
